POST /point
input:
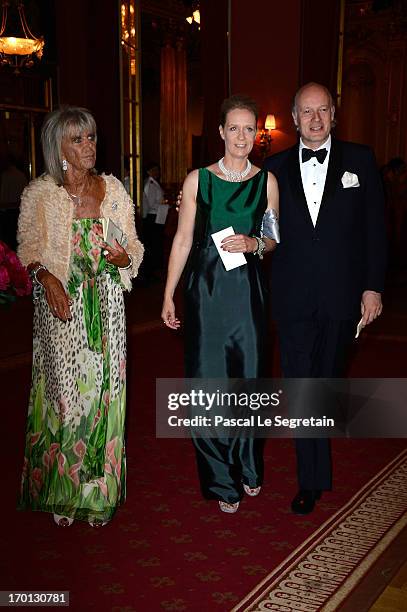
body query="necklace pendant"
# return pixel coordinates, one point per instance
(75, 199)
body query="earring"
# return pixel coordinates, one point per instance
(64, 165)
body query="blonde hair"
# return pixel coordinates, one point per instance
(56, 126)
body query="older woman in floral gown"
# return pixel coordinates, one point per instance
(74, 464)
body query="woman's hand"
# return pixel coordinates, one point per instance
(55, 295)
(239, 243)
(168, 314)
(116, 255)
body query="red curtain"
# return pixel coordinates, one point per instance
(173, 112)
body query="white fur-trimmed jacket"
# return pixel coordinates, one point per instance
(45, 225)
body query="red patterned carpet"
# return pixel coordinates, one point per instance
(323, 571)
(168, 549)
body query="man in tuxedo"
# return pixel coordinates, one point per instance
(329, 268)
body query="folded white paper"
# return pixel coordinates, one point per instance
(162, 213)
(230, 260)
(359, 328)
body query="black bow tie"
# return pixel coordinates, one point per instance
(320, 155)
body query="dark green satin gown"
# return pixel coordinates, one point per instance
(225, 322)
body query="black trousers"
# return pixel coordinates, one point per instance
(153, 237)
(314, 347)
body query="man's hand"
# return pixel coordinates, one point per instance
(371, 306)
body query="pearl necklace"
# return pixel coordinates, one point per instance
(233, 175)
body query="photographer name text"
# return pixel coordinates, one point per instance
(254, 420)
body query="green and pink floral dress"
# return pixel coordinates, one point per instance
(74, 462)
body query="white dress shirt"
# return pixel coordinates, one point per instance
(313, 175)
(152, 196)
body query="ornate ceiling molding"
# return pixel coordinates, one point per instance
(364, 21)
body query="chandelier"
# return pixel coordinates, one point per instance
(15, 51)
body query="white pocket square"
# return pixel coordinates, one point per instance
(350, 180)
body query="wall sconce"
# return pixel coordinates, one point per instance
(196, 16)
(265, 138)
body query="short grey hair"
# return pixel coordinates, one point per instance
(58, 124)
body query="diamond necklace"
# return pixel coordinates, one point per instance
(233, 175)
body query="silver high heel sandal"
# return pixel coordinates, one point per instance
(252, 492)
(229, 508)
(63, 521)
(95, 522)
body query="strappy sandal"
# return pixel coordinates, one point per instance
(97, 523)
(253, 492)
(63, 521)
(229, 508)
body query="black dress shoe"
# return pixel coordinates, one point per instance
(304, 501)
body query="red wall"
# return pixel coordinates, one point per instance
(88, 69)
(265, 59)
(319, 42)
(214, 25)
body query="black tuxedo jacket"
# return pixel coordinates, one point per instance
(326, 268)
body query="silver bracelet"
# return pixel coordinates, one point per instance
(261, 246)
(34, 272)
(129, 265)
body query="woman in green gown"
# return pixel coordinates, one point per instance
(225, 311)
(75, 462)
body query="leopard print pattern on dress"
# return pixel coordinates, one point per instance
(62, 355)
